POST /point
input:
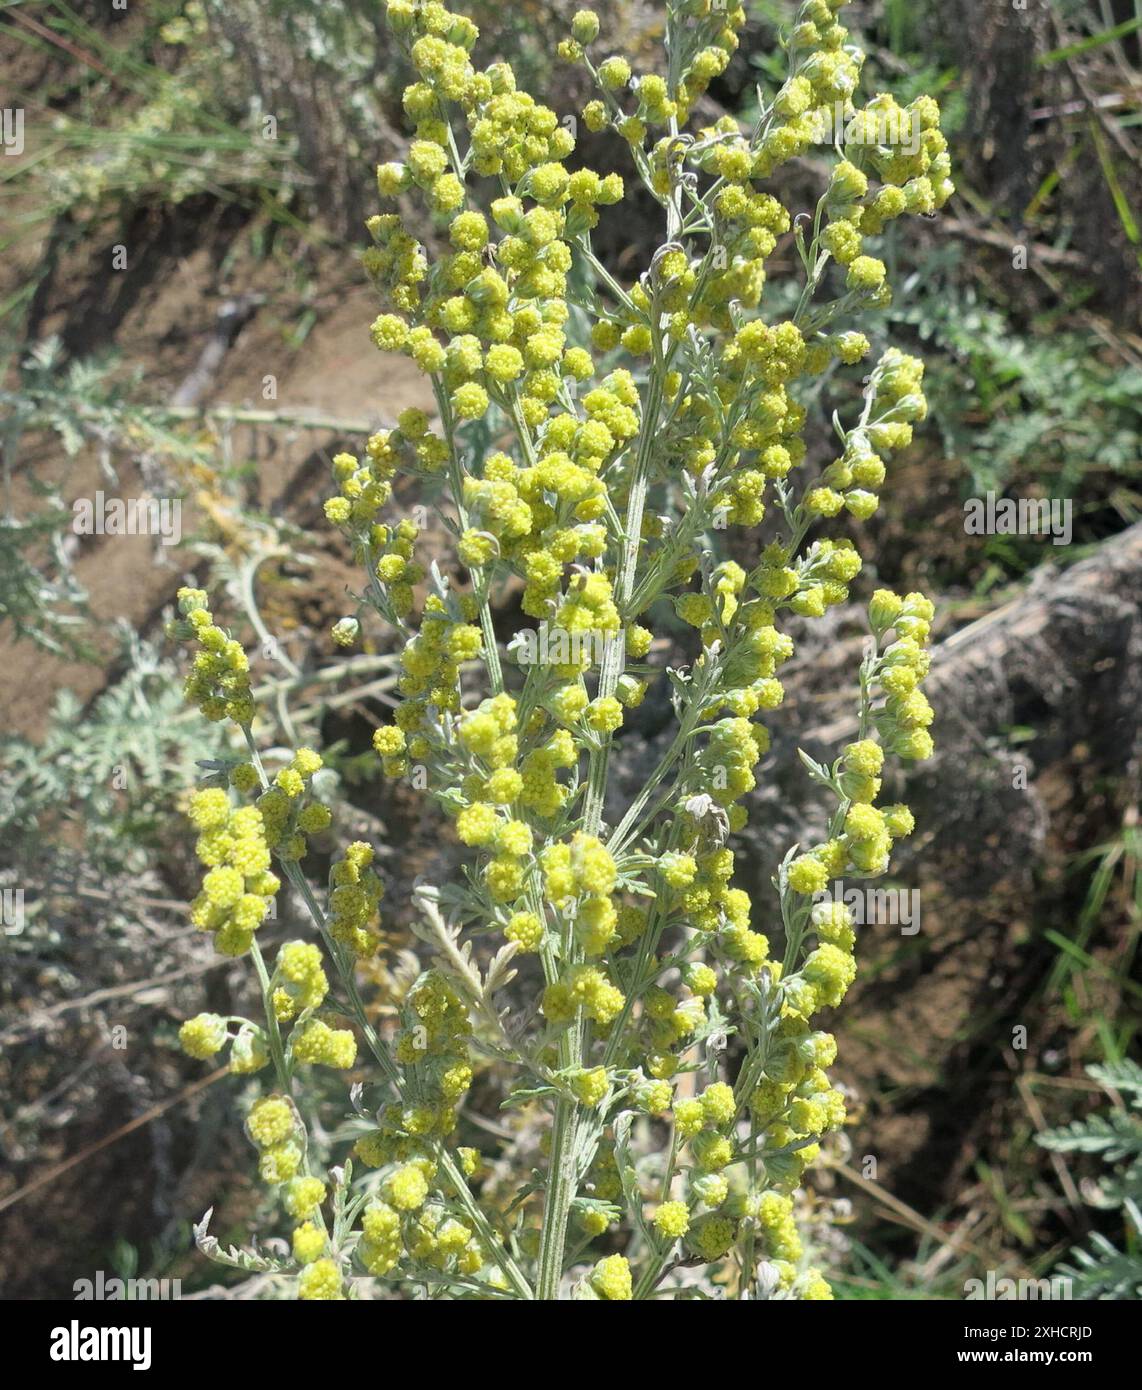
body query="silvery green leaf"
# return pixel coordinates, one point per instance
(523, 1096)
(499, 972)
(816, 770)
(632, 1195)
(232, 1257)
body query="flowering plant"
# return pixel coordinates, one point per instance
(591, 441)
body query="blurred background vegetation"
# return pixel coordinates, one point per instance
(227, 147)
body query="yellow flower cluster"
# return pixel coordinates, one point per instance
(273, 1126)
(593, 438)
(238, 887)
(432, 1049)
(403, 1227)
(489, 323)
(317, 1044)
(364, 489)
(287, 815)
(219, 678)
(203, 1035)
(866, 833)
(301, 980)
(793, 1103)
(586, 987)
(321, 1282)
(355, 890)
(611, 1279)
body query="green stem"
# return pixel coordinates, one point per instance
(273, 1032)
(623, 833)
(456, 486)
(557, 1201)
(491, 1240)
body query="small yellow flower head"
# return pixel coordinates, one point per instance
(290, 781)
(308, 1243)
(303, 1196)
(503, 787)
(866, 758)
(678, 870)
(320, 1281)
(614, 73)
(899, 821)
(823, 501)
(712, 1152)
(672, 1220)
(833, 922)
(280, 1163)
(830, 971)
(864, 822)
(304, 984)
(191, 601)
(407, 1188)
(807, 874)
(244, 778)
(271, 1121)
(718, 1104)
(314, 818)
(605, 715)
(688, 1118)
(478, 824)
(711, 1189)
(815, 1286)
(595, 119)
(589, 1087)
(209, 808)
(317, 1044)
(468, 232)
(568, 703)
(380, 1248)
(306, 762)
(712, 1237)
(866, 274)
(249, 1052)
(851, 347)
(202, 1036)
(470, 401)
(700, 979)
(389, 332)
(594, 1222)
(526, 929)
(915, 744)
(654, 1097)
(585, 26)
(392, 179)
(611, 1279)
(389, 741)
